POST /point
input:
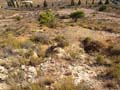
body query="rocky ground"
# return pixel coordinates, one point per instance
(23, 62)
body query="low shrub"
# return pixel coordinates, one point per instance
(114, 71)
(17, 18)
(76, 15)
(62, 41)
(114, 50)
(47, 18)
(68, 84)
(102, 8)
(100, 60)
(92, 45)
(10, 41)
(34, 86)
(40, 38)
(27, 44)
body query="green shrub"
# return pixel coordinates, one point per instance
(74, 55)
(18, 18)
(47, 18)
(59, 38)
(41, 38)
(10, 41)
(100, 60)
(76, 15)
(114, 50)
(62, 41)
(91, 45)
(102, 8)
(27, 44)
(115, 71)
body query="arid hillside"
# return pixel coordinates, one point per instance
(66, 47)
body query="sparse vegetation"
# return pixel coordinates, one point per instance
(40, 38)
(68, 84)
(102, 8)
(115, 71)
(92, 45)
(59, 45)
(62, 41)
(100, 60)
(76, 15)
(114, 50)
(47, 18)
(18, 18)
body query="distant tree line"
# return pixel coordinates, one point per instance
(14, 3)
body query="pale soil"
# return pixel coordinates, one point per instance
(72, 33)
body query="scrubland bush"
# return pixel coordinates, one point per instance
(35, 61)
(76, 15)
(27, 44)
(115, 59)
(34, 86)
(114, 71)
(100, 60)
(114, 50)
(48, 81)
(18, 18)
(74, 55)
(10, 41)
(92, 45)
(47, 18)
(40, 38)
(111, 84)
(102, 8)
(68, 84)
(62, 41)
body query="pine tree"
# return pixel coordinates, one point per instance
(79, 2)
(9, 4)
(86, 2)
(100, 2)
(12, 3)
(107, 2)
(52, 4)
(72, 2)
(17, 4)
(93, 1)
(45, 4)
